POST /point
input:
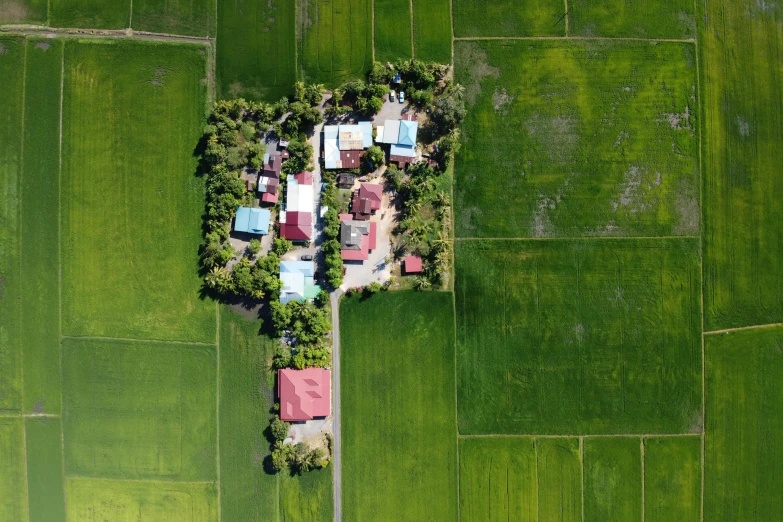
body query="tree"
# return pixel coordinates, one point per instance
(279, 428)
(421, 283)
(219, 279)
(281, 246)
(254, 247)
(373, 158)
(458, 91)
(448, 113)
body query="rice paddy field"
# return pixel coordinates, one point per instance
(23, 11)
(578, 337)
(258, 64)
(600, 139)
(432, 30)
(743, 164)
(612, 479)
(186, 17)
(393, 30)
(100, 14)
(399, 442)
(509, 18)
(673, 19)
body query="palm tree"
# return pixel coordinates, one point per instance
(421, 283)
(458, 91)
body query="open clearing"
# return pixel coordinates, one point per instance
(672, 479)
(23, 11)
(578, 337)
(632, 18)
(257, 63)
(13, 488)
(432, 30)
(139, 410)
(743, 163)
(336, 40)
(11, 85)
(599, 138)
(44, 469)
(393, 28)
(40, 260)
(744, 413)
(612, 479)
(399, 440)
(509, 18)
(130, 501)
(95, 14)
(132, 221)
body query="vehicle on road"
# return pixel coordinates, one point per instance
(402, 96)
(391, 96)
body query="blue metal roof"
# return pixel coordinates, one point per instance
(403, 150)
(252, 220)
(408, 131)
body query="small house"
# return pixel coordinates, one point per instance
(304, 394)
(252, 220)
(298, 281)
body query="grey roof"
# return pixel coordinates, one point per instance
(351, 234)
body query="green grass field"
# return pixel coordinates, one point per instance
(559, 480)
(23, 11)
(130, 501)
(11, 85)
(612, 479)
(600, 138)
(92, 14)
(139, 410)
(744, 420)
(399, 439)
(40, 256)
(632, 18)
(498, 481)
(432, 30)
(188, 17)
(44, 470)
(578, 337)
(258, 64)
(335, 40)
(509, 18)
(672, 479)
(13, 483)
(743, 163)
(131, 216)
(393, 26)
(307, 497)
(246, 397)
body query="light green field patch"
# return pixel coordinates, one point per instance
(91, 14)
(559, 480)
(432, 30)
(11, 85)
(23, 11)
(393, 27)
(132, 203)
(139, 410)
(257, 63)
(13, 481)
(578, 337)
(246, 396)
(188, 17)
(335, 40)
(40, 227)
(498, 480)
(612, 479)
(743, 162)
(509, 18)
(744, 414)
(599, 138)
(399, 440)
(632, 18)
(307, 497)
(45, 469)
(131, 501)
(672, 479)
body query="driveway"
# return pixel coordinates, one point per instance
(391, 110)
(336, 426)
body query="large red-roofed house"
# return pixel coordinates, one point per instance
(366, 200)
(304, 394)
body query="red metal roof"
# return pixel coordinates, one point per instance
(304, 178)
(304, 394)
(373, 235)
(272, 167)
(350, 159)
(357, 255)
(269, 197)
(298, 226)
(412, 264)
(373, 192)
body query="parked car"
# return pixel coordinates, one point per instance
(391, 96)
(306, 258)
(402, 96)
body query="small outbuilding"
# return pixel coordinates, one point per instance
(412, 264)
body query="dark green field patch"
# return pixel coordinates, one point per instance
(432, 30)
(598, 138)
(578, 337)
(632, 18)
(44, 470)
(132, 203)
(90, 14)
(23, 11)
(336, 40)
(509, 18)
(13, 490)
(399, 441)
(559, 480)
(307, 497)
(11, 85)
(139, 410)
(257, 63)
(40, 226)
(744, 414)
(612, 479)
(672, 479)
(247, 492)
(743, 163)
(188, 17)
(393, 25)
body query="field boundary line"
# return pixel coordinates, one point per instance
(538, 484)
(641, 449)
(566, 33)
(578, 436)
(29, 416)
(569, 238)
(413, 28)
(742, 328)
(217, 410)
(582, 472)
(60, 279)
(456, 391)
(451, 25)
(130, 16)
(128, 339)
(576, 38)
(72, 32)
(148, 481)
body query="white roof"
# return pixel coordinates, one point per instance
(391, 131)
(331, 151)
(299, 198)
(292, 275)
(379, 134)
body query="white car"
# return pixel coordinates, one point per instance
(402, 96)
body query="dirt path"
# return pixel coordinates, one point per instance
(336, 427)
(100, 33)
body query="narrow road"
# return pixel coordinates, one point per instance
(336, 448)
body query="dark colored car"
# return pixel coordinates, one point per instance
(306, 258)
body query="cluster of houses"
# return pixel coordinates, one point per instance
(344, 145)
